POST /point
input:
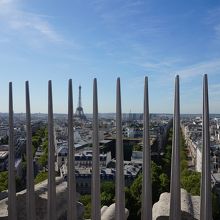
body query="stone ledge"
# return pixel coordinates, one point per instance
(41, 202)
(190, 207)
(108, 212)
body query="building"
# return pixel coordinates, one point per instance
(84, 175)
(82, 158)
(3, 160)
(137, 157)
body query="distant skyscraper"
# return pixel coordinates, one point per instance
(79, 110)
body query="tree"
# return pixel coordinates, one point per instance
(107, 193)
(45, 145)
(3, 181)
(86, 201)
(43, 159)
(160, 184)
(108, 186)
(36, 141)
(190, 181)
(215, 206)
(164, 182)
(41, 176)
(4, 140)
(107, 197)
(137, 147)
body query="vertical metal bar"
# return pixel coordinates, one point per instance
(72, 215)
(31, 213)
(120, 194)
(175, 203)
(206, 200)
(146, 182)
(96, 203)
(51, 212)
(12, 207)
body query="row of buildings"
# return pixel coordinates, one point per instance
(192, 131)
(132, 132)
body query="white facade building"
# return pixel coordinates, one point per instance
(198, 159)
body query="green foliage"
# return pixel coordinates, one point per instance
(4, 140)
(107, 197)
(36, 142)
(45, 146)
(37, 138)
(3, 181)
(164, 182)
(108, 186)
(107, 193)
(43, 159)
(19, 184)
(183, 165)
(215, 206)
(40, 138)
(190, 181)
(41, 176)
(135, 191)
(137, 147)
(166, 159)
(86, 201)
(160, 183)
(42, 132)
(132, 203)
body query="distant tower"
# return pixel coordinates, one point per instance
(130, 116)
(79, 111)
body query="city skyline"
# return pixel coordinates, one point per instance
(127, 39)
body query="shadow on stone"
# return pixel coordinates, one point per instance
(190, 206)
(41, 202)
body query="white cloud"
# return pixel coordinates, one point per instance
(213, 21)
(206, 67)
(24, 23)
(213, 15)
(217, 31)
(5, 2)
(31, 22)
(214, 90)
(119, 11)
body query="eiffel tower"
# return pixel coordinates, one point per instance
(79, 110)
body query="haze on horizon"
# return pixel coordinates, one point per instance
(43, 40)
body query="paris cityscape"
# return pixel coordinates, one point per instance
(160, 130)
(109, 110)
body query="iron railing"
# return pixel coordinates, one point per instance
(175, 204)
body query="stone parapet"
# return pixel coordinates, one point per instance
(190, 207)
(41, 202)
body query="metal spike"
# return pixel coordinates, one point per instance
(12, 206)
(51, 212)
(146, 182)
(205, 195)
(72, 215)
(175, 200)
(120, 194)
(31, 212)
(96, 203)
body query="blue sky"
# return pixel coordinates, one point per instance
(82, 39)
